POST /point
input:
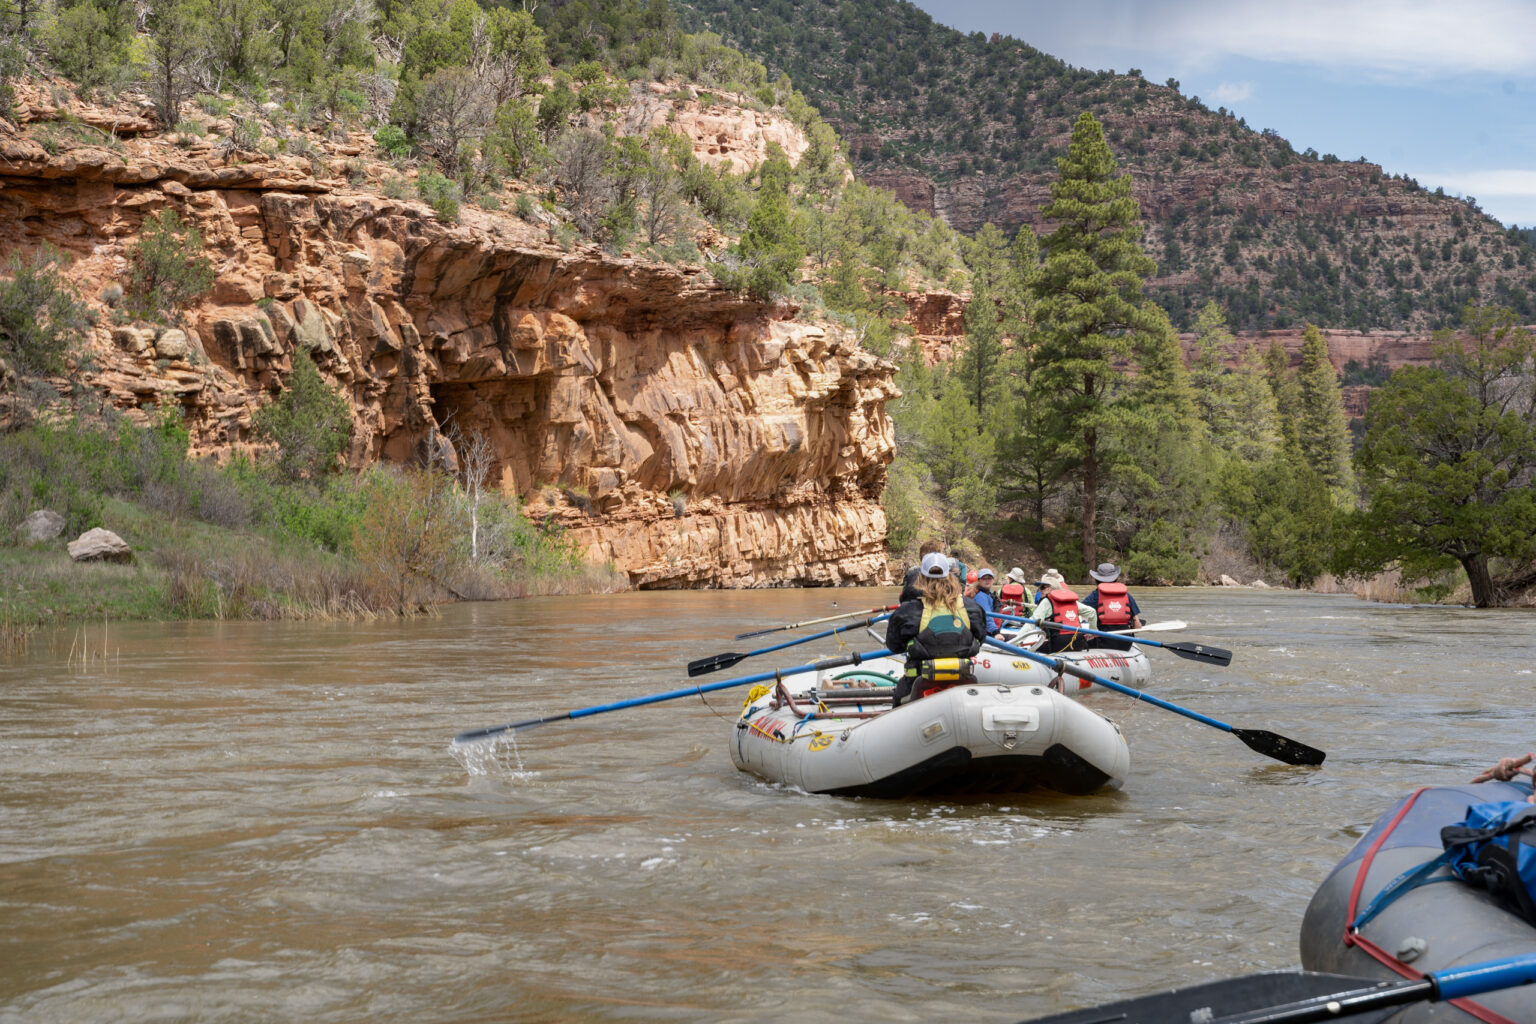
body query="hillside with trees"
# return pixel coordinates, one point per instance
(970, 126)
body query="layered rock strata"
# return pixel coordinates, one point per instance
(690, 435)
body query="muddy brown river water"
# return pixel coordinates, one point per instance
(248, 821)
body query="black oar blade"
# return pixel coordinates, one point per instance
(497, 730)
(704, 666)
(1201, 652)
(1279, 747)
(758, 632)
(1214, 1000)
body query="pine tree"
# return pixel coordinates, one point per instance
(978, 365)
(1091, 311)
(1321, 430)
(1237, 407)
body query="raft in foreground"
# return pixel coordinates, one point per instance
(844, 740)
(1435, 926)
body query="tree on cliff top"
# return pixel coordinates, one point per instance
(1092, 315)
(1449, 459)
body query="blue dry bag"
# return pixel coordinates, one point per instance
(1495, 849)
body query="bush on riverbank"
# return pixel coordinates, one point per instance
(242, 541)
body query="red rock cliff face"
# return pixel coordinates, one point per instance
(690, 435)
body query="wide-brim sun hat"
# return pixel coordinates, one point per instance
(935, 566)
(1105, 573)
(1017, 575)
(1052, 578)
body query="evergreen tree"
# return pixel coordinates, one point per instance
(1321, 430)
(770, 247)
(1237, 407)
(176, 30)
(978, 365)
(1449, 460)
(1091, 312)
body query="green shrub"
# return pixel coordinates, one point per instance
(392, 140)
(441, 194)
(166, 268)
(310, 424)
(41, 316)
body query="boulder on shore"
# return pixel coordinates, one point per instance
(98, 545)
(44, 524)
(1228, 581)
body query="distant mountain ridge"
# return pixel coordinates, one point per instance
(968, 126)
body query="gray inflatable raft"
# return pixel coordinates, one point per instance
(1443, 924)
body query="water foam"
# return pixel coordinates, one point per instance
(493, 755)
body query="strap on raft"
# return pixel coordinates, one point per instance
(1352, 936)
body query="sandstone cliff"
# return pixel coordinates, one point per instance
(691, 435)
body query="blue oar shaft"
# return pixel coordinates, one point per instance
(1063, 666)
(724, 684)
(1489, 976)
(687, 691)
(817, 636)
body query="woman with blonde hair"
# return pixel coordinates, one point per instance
(941, 624)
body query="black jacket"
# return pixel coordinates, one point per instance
(909, 586)
(906, 622)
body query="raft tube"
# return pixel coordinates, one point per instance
(998, 668)
(1439, 925)
(964, 740)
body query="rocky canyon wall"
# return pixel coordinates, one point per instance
(692, 436)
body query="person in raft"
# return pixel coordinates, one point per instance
(1059, 604)
(1113, 605)
(908, 583)
(1508, 770)
(1017, 596)
(985, 599)
(940, 626)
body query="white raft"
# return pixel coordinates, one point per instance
(844, 740)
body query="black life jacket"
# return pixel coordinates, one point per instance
(1114, 605)
(944, 633)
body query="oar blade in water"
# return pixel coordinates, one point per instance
(1280, 747)
(713, 663)
(1218, 1000)
(1201, 652)
(496, 730)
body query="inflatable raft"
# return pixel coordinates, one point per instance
(843, 738)
(1423, 929)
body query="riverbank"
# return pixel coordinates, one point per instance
(239, 541)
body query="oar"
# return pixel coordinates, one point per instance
(815, 622)
(1296, 997)
(656, 698)
(1267, 743)
(1194, 652)
(716, 662)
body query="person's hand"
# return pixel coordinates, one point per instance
(1507, 769)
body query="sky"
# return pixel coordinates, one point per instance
(1444, 91)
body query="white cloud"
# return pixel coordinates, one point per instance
(1398, 38)
(1233, 92)
(1508, 194)
(1413, 38)
(1508, 183)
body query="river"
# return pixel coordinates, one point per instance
(255, 821)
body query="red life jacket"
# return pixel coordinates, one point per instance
(1064, 607)
(1114, 605)
(1010, 601)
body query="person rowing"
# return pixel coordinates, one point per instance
(939, 633)
(1060, 605)
(1114, 606)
